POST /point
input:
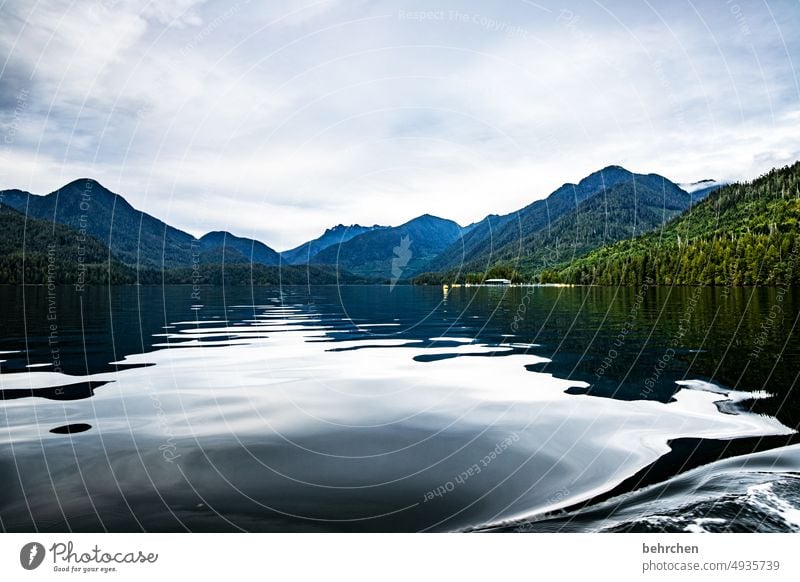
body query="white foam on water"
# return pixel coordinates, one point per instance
(698, 525)
(763, 496)
(732, 395)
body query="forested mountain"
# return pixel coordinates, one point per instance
(39, 252)
(331, 237)
(625, 211)
(509, 237)
(479, 240)
(393, 254)
(742, 234)
(34, 251)
(135, 238)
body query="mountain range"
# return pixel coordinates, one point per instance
(546, 240)
(224, 247)
(394, 253)
(337, 235)
(84, 233)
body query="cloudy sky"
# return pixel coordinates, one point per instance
(279, 119)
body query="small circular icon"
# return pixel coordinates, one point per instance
(31, 555)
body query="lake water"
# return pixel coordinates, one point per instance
(399, 409)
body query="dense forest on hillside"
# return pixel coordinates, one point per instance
(40, 252)
(619, 213)
(51, 252)
(604, 207)
(742, 234)
(135, 237)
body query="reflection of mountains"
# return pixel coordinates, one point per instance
(71, 428)
(76, 391)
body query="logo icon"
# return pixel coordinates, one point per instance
(31, 555)
(403, 254)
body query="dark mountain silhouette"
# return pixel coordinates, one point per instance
(333, 236)
(235, 249)
(395, 253)
(135, 237)
(40, 252)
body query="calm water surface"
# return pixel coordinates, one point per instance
(399, 409)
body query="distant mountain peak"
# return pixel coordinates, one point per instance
(345, 227)
(251, 250)
(613, 170)
(390, 253)
(615, 167)
(217, 234)
(428, 218)
(84, 183)
(335, 235)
